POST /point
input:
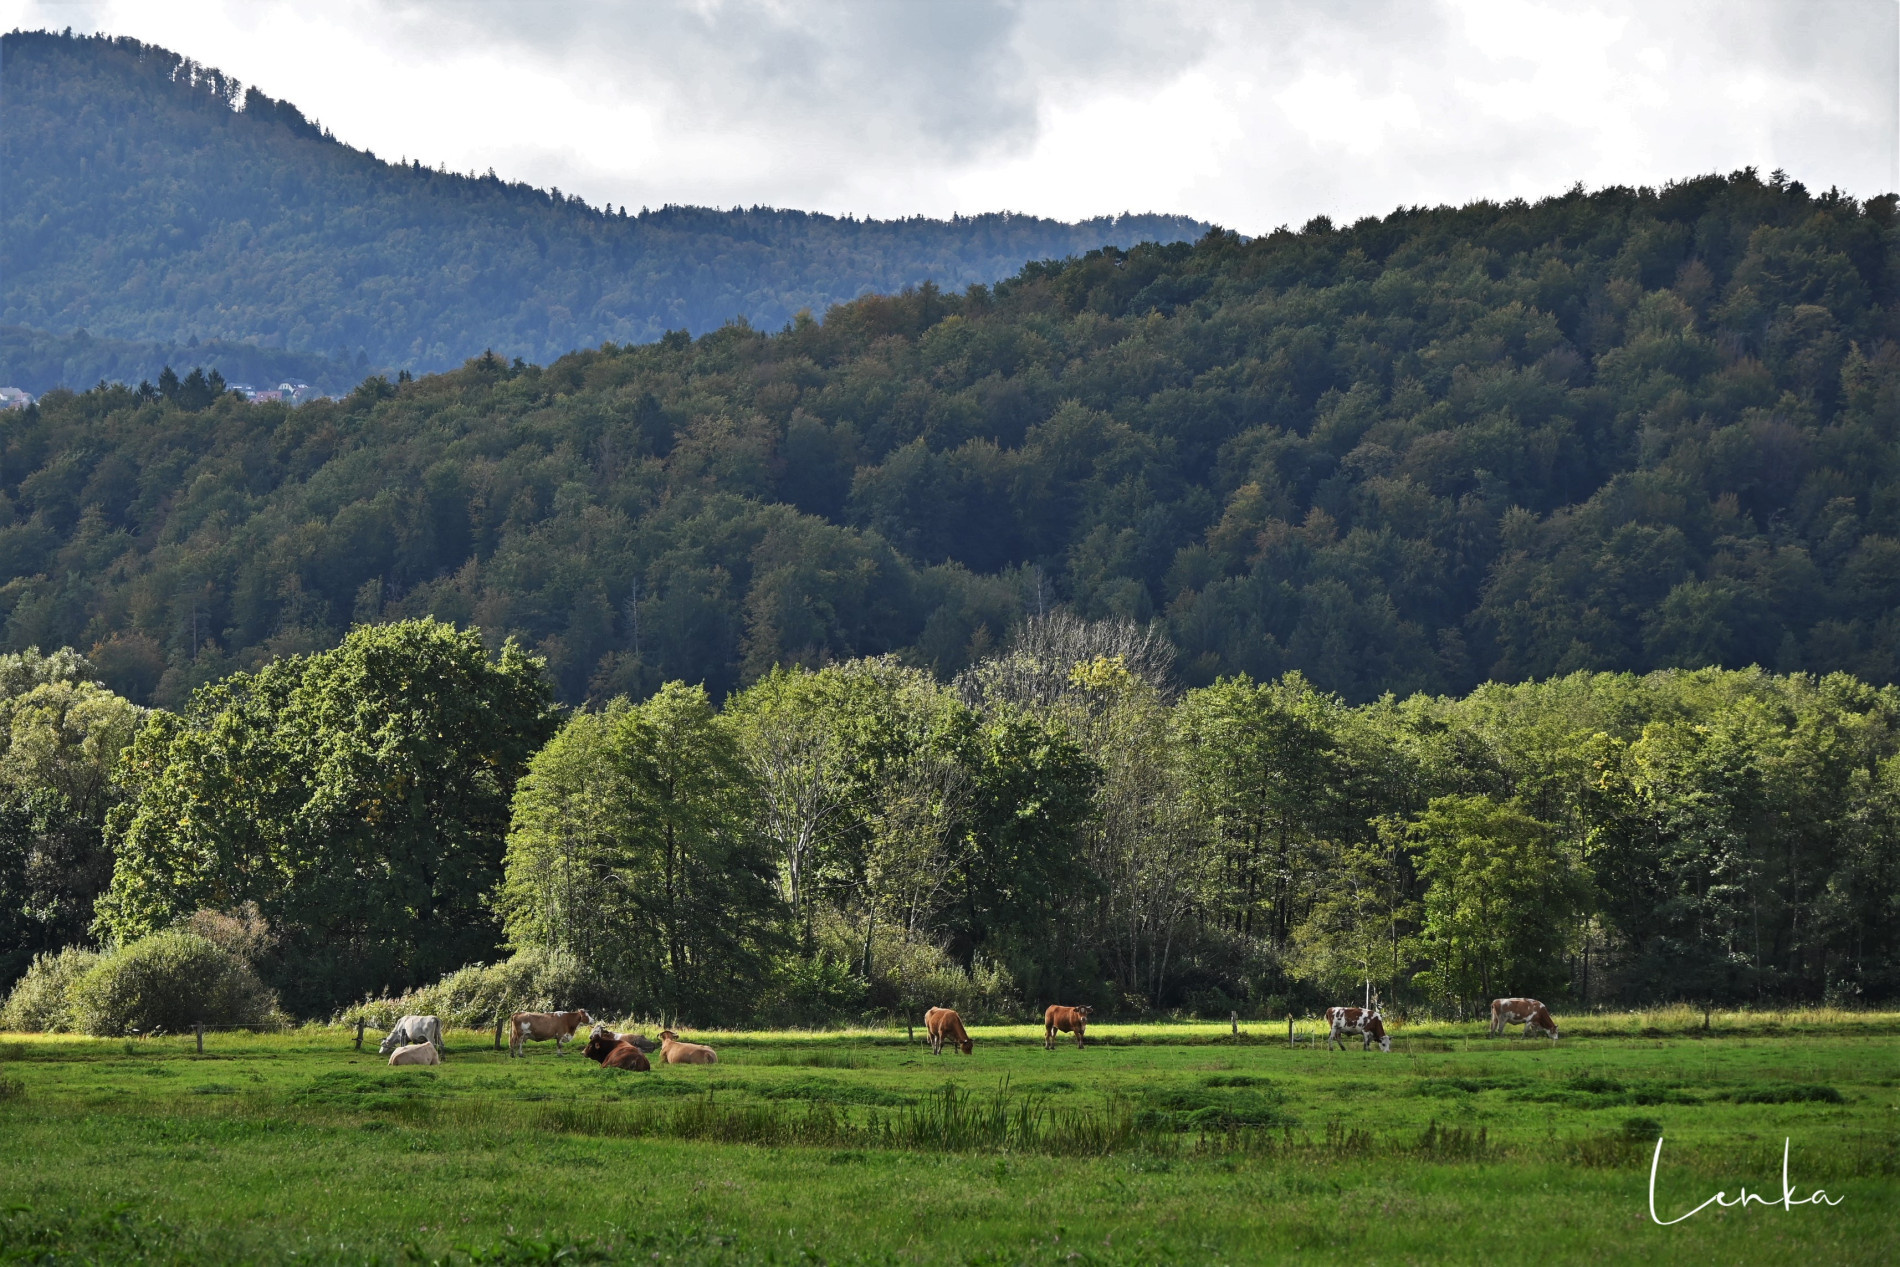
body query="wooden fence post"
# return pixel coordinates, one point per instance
(359, 1033)
(1233, 1019)
(1289, 1031)
(497, 1031)
(201, 1037)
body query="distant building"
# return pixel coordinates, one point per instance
(14, 398)
(267, 394)
(243, 391)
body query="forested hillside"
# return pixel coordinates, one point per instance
(1622, 430)
(152, 199)
(39, 362)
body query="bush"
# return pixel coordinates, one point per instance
(171, 980)
(909, 976)
(811, 991)
(41, 1000)
(473, 997)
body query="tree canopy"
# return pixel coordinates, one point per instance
(1614, 431)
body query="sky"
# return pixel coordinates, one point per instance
(1249, 115)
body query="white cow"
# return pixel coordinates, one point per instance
(415, 1029)
(416, 1054)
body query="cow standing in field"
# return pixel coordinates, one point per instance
(1365, 1022)
(1066, 1019)
(416, 1054)
(674, 1052)
(1532, 1015)
(610, 1051)
(414, 1029)
(943, 1024)
(541, 1026)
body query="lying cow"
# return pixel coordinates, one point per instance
(610, 1051)
(1532, 1015)
(414, 1029)
(416, 1054)
(644, 1043)
(943, 1025)
(1365, 1022)
(674, 1052)
(541, 1026)
(1067, 1019)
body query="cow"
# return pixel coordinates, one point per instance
(414, 1029)
(943, 1024)
(416, 1054)
(641, 1041)
(674, 1052)
(1532, 1015)
(1067, 1019)
(541, 1026)
(610, 1051)
(1357, 1020)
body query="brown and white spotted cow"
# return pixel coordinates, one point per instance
(541, 1026)
(1365, 1022)
(1532, 1015)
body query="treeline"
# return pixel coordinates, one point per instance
(1060, 821)
(1621, 431)
(37, 362)
(155, 199)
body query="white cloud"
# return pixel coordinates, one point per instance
(1248, 114)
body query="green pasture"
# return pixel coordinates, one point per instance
(1160, 1143)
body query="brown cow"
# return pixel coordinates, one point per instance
(610, 1051)
(641, 1041)
(1532, 1015)
(541, 1026)
(1357, 1020)
(1067, 1019)
(674, 1052)
(941, 1023)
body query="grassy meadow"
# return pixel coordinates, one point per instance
(1160, 1143)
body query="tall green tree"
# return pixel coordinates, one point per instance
(1502, 904)
(635, 837)
(359, 797)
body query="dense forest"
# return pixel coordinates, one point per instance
(151, 199)
(39, 362)
(1622, 431)
(410, 813)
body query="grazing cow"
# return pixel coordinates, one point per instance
(414, 1029)
(610, 1051)
(416, 1054)
(541, 1026)
(674, 1052)
(1067, 1019)
(943, 1024)
(1532, 1015)
(1357, 1020)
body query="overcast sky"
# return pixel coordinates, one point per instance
(1249, 115)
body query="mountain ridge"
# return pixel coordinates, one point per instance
(152, 199)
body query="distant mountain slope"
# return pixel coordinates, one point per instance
(38, 362)
(148, 198)
(1624, 430)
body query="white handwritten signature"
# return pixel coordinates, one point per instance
(1787, 1201)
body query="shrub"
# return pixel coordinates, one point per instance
(41, 1000)
(472, 997)
(171, 980)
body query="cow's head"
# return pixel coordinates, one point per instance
(668, 1036)
(599, 1043)
(967, 1045)
(581, 1014)
(1083, 1012)
(1375, 1029)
